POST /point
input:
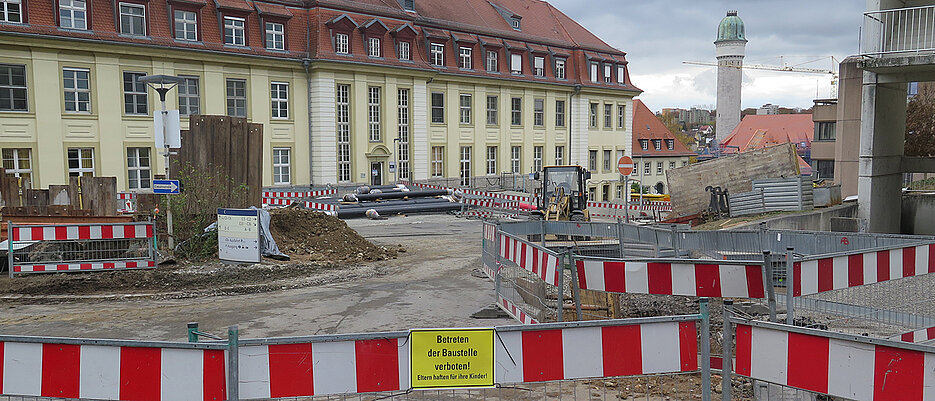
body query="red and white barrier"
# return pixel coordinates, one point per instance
(82, 232)
(122, 264)
(278, 201)
(826, 274)
(851, 369)
(531, 258)
(490, 232)
(323, 207)
(701, 280)
(660, 206)
(300, 194)
(111, 372)
(492, 203)
(125, 195)
(917, 336)
(582, 352)
(323, 368)
(515, 312)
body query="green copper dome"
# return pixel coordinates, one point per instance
(731, 28)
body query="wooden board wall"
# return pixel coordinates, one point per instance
(87, 196)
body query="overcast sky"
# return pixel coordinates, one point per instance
(659, 34)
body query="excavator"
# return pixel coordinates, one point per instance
(563, 196)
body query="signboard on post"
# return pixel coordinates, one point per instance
(239, 235)
(457, 358)
(625, 165)
(166, 187)
(171, 127)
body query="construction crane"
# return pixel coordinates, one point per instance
(781, 68)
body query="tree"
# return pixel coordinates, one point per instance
(920, 123)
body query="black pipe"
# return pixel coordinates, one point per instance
(391, 210)
(400, 195)
(395, 202)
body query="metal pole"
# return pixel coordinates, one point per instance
(9, 237)
(561, 287)
(770, 288)
(192, 332)
(233, 363)
(790, 287)
(626, 197)
(576, 291)
(705, 349)
(727, 359)
(542, 230)
(620, 242)
(496, 272)
(165, 144)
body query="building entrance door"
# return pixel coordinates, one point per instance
(376, 173)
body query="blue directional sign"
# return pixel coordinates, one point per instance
(166, 187)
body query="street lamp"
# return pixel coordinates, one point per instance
(162, 84)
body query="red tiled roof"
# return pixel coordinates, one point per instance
(647, 126)
(239, 5)
(760, 131)
(277, 10)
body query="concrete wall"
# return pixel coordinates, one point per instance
(847, 140)
(917, 212)
(817, 220)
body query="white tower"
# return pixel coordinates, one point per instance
(730, 45)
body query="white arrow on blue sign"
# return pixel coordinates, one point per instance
(167, 187)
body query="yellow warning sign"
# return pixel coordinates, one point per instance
(451, 358)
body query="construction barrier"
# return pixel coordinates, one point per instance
(840, 365)
(530, 257)
(126, 202)
(286, 198)
(331, 208)
(514, 311)
(80, 247)
(674, 277)
(916, 336)
(657, 206)
(817, 274)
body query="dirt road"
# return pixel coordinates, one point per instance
(430, 285)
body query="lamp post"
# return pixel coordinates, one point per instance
(162, 84)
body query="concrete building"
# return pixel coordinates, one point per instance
(655, 150)
(896, 49)
(730, 44)
(824, 115)
(345, 89)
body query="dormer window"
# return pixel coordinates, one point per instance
(409, 5)
(594, 72)
(234, 31)
(341, 43)
(438, 54)
(670, 144)
(644, 144)
(621, 74)
(516, 63)
(538, 66)
(11, 11)
(403, 37)
(514, 22)
(402, 49)
(72, 14)
(657, 143)
(373, 47)
(342, 27)
(607, 74)
(465, 58)
(560, 68)
(492, 65)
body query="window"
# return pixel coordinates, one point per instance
(825, 131)
(282, 166)
(658, 168)
(644, 144)
(465, 58)
(516, 111)
(438, 108)
(636, 170)
(465, 165)
(19, 163)
(621, 116)
(537, 158)
(342, 99)
(186, 25)
(279, 97)
(11, 11)
(559, 113)
(132, 19)
(621, 74)
(608, 116)
(438, 54)
(514, 22)
(373, 47)
(516, 159)
(592, 160)
(237, 97)
(189, 97)
(657, 144)
(538, 112)
(670, 144)
(402, 50)
(671, 165)
(607, 160)
(559, 155)
(138, 169)
(403, 121)
(538, 66)
(80, 162)
(492, 61)
(684, 163)
(560, 68)
(373, 112)
(134, 93)
(341, 45)
(593, 115)
(592, 193)
(275, 36)
(825, 169)
(491, 160)
(465, 109)
(492, 110)
(438, 161)
(516, 63)
(646, 167)
(605, 194)
(593, 72)
(234, 31)
(13, 88)
(607, 74)
(409, 5)
(72, 14)
(619, 191)
(77, 90)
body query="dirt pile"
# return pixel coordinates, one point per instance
(306, 235)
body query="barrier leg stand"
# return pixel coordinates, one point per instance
(705, 349)
(727, 361)
(790, 288)
(496, 272)
(9, 241)
(575, 290)
(542, 230)
(233, 363)
(770, 287)
(560, 296)
(192, 332)
(619, 228)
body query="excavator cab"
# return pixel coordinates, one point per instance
(563, 196)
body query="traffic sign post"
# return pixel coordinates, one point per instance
(625, 167)
(166, 187)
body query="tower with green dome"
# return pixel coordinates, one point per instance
(730, 44)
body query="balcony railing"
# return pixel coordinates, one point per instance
(898, 31)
